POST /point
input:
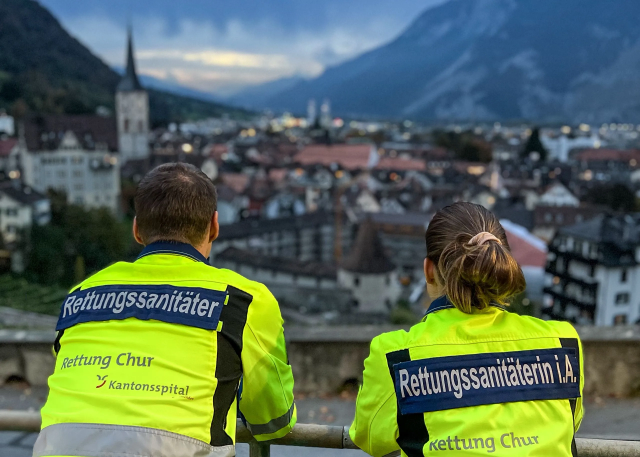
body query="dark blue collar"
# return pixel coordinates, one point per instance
(173, 247)
(438, 304)
(444, 303)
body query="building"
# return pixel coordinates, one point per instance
(308, 287)
(368, 272)
(593, 272)
(9, 153)
(309, 237)
(132, 112)
(20, 208)
(560, 147)
(7, 124)
(531, 254)
(76, 155)
(346, 156)
(548, 219)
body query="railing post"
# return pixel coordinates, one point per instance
(259, 449)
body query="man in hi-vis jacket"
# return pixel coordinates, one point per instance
(150, 354)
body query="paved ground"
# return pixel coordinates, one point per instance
(605, 418)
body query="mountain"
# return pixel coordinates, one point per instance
(52, 72)
(570, 60)
(258, 96)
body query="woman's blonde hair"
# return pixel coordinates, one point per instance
(473, 261)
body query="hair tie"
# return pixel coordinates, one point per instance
(482, 238)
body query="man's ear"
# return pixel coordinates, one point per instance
(214, 231)
(136, 232)
(429, 271)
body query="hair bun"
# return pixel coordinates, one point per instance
(482, 238)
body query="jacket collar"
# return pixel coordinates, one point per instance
(443, 302)
(175, 248)
(438, 304)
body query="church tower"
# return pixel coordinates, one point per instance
(132, 111)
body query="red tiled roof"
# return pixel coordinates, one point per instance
(608, 154)
(45, 132)
(400, 164)
(6, 146)
(277, 175)
(348, 156)
(526, 253)
(236, 181)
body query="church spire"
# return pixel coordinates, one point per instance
(129, 81)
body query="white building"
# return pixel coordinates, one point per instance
(368, 273)
(7, 124)
(559, 147)
(593, 272)
(90, 178)
(558, 195)
(21, 207)
(132, 112)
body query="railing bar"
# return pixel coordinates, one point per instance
(326, 436)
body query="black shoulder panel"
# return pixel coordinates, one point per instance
(413, 433)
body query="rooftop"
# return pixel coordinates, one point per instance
(286, 265)
(25, 195)
(349, 156)
(367, 254)
(7, 145)
(46, 132)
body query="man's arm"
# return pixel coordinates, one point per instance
(267, 391)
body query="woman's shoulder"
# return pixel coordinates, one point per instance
(554, 328)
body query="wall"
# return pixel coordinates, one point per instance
(325, 359)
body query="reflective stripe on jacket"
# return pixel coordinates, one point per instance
(150, 356)
(489, 383)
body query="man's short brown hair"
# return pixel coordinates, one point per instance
(175, 201)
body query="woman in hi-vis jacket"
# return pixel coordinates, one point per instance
(471, 379)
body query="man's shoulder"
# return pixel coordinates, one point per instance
(108, 275)
(238, 281)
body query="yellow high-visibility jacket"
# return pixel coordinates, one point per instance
(150, 357)
(488, 383)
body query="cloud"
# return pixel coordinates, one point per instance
(224, 56)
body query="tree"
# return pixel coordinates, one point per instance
(77, 243)
(618, 197)
(466, 145)
(534, 144)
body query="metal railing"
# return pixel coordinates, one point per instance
(326, 436)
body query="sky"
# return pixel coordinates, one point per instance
(223, 46)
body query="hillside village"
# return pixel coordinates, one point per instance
(330, 213)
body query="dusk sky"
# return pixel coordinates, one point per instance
(221, 47)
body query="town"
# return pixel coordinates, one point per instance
(330, 213)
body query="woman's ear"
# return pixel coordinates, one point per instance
(429, 271)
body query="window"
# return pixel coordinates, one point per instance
(622, 298)
(77, 173)
(620, 319)
(356, 281)
(126, 125)
(623, 275)
(62, 174)
(78, 187)
(77, 160)
(12, 211)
